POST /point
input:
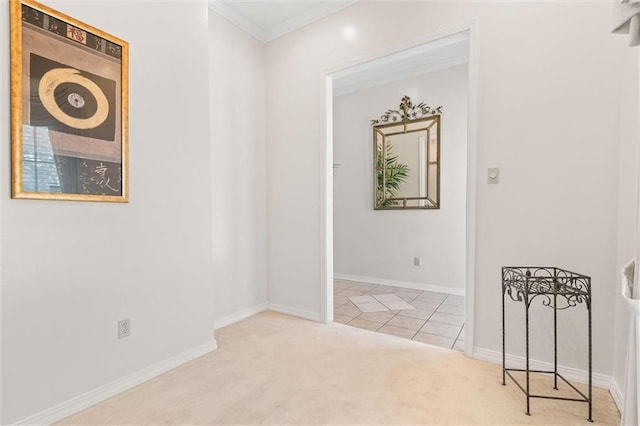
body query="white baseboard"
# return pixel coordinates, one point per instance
(249, 312)
(240, 315)
(616, 393)
(95, 396)
(404, 284)
(301, 313)
(569, 373)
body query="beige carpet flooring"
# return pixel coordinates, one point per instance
(276, 369)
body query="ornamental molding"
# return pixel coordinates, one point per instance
(407, 112)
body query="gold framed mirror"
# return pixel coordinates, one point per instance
(406, 163)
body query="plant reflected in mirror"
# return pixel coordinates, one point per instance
(389, 176)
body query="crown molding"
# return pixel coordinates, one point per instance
(299, 21)
(306, 18)
(240, 21)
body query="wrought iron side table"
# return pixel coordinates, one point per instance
(523, 284)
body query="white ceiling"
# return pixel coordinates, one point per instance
(268, 20)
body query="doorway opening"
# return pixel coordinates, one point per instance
(409, 272)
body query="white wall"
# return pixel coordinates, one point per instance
(71, 270)
(381, 243)
(238, 166)
(627, 202)
(547, 115)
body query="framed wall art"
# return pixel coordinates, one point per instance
(69, 108)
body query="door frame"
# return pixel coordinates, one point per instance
(326, 169)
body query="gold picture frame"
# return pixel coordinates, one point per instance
(69, 108)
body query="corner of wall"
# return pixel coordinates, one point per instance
(616, 394)
(627, 207)
(239, 194)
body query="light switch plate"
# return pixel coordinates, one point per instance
(493, 175)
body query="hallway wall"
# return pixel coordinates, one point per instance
(548, 118)
(71, 270)
(382, 244)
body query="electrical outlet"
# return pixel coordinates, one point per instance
(124, 328)
(417, 261)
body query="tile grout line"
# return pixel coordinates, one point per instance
(394, 315)
(399, 311)
(457, 335)
(426, 320)
(454, 340)
(429, 319)
(382, 325)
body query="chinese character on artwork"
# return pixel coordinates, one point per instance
(77, 34)
(100, 178)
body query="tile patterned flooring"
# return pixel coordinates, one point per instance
(423, 316)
